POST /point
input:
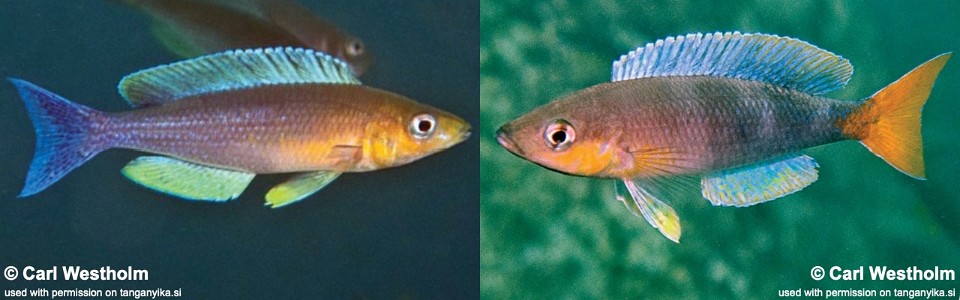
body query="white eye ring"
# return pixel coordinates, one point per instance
(559, 135)
(422, 126)
(355, 48)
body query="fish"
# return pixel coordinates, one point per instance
(215, 121)
(728, 111)
(190, 28)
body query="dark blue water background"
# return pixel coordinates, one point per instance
(408, 232)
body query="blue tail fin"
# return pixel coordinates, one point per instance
(66, 135)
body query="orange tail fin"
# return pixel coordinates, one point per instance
(888, 123)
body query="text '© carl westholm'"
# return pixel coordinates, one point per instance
(884, 273)
(77, 273)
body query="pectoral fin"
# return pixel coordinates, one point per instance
(345, 155)
(298, 187)
(624, 197)
(187, 180)
(759, 183)
(642, 202)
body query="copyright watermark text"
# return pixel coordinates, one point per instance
(877, 273)
(74, 273)
(883, 273)
(77, 273)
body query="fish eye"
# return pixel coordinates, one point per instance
(422, 126)
(559, 135)
(355, 48)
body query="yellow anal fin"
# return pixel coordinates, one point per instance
(187, 180)
(643, 203)
(298, 187)
(888, 123)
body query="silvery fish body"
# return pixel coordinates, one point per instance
(732, 109)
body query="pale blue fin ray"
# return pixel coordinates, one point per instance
(757, 183)
(233, 70)
(624, 197)
(187, 180)
(782, 61)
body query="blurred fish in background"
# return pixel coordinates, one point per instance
(191, 28)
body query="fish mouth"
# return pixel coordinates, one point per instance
(504, 140)
(464, 134)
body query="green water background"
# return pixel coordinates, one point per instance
(547, 235)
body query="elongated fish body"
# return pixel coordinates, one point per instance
(694, 119)
(270, 129)
(733, 109)
(220, 119)
(192, 28)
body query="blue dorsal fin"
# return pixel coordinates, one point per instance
(772, 59)
(232, 70)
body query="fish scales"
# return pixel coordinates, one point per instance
(261, 130)
(719, 122)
